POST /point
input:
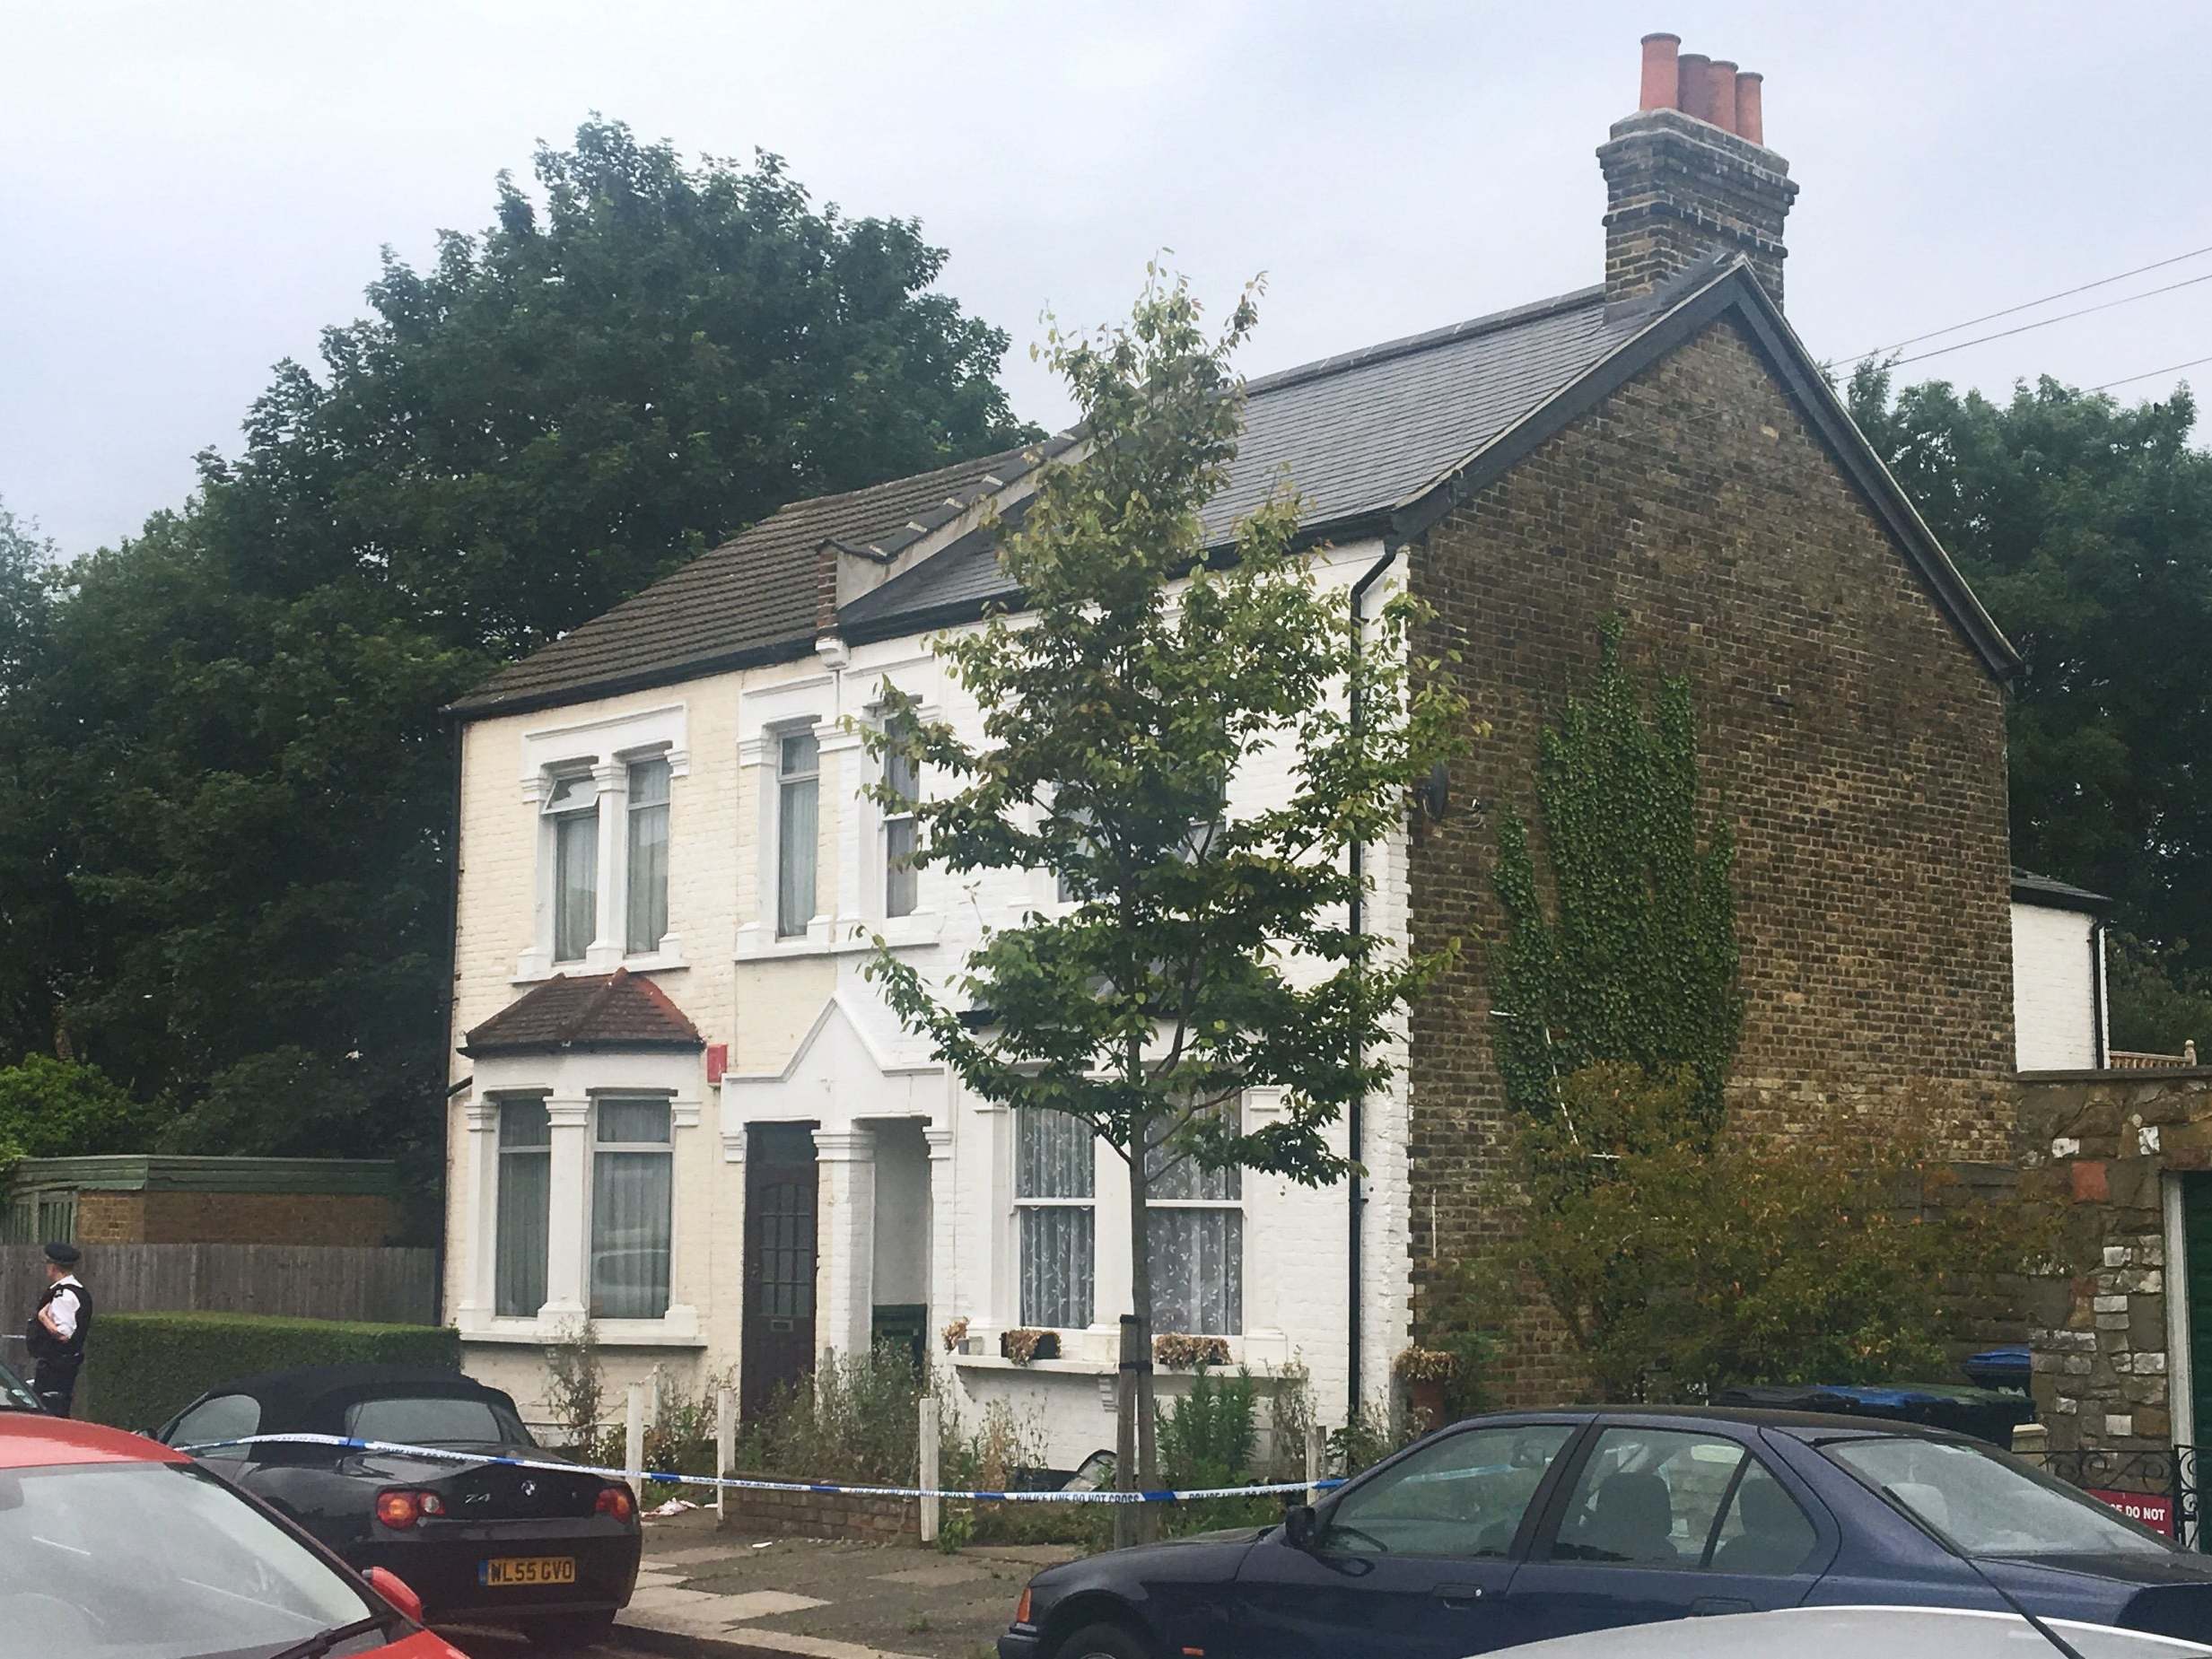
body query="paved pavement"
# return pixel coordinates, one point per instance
(704, 1594)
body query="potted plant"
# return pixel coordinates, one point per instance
(955, 1334)
(1178, 1352)
(1023, 1345)
(1426, 1373)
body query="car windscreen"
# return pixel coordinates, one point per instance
(157, 1561)
(1988, 1503)
(434, 1420)
(15, 1394)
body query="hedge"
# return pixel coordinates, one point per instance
(140, 1369)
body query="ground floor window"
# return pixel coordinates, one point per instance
(1054, 1170)
(1194, 1242)
(632, 1192)
(525, 1190)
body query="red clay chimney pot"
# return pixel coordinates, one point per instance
(1720, 75)
(1696, 93)
(1662, 87)
(1748, 123)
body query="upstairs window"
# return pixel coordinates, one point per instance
(1054, 1169)
(573, 808)
(900, 773)
(798, 782)
(647, 917)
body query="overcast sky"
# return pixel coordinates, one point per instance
(190, 192)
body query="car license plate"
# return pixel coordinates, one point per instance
(503, 1571)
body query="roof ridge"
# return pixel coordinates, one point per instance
(1406, 345)
(904, 478)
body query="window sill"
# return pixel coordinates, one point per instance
(679, 1328)
(536, 972)
(1097, 1353)
(843, 939)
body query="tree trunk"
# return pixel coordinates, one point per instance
(1140, 1305)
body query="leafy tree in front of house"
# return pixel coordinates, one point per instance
(59, 1108)
(1203, 950)
(2085, 525)
(1628, 952)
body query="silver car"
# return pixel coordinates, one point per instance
(1861, 1633)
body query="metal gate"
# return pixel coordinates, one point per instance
(2159, 1487)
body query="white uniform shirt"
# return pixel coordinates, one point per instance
(63, 1308)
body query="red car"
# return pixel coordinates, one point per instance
(111, 1543)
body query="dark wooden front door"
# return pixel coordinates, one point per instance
(779, 1261)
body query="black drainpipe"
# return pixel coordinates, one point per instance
(445, 1060)
(2096, 991)
(1355, 1112)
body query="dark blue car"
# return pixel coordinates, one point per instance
(1513, 1529)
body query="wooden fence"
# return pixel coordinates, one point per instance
(306, 1281)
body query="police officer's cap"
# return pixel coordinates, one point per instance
(64, 1255)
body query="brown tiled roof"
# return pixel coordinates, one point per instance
(597, 1010)
(753, 597)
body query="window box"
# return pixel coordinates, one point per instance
(1022, 1346)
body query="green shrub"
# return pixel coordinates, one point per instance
(142, 1368)
(856, 1419)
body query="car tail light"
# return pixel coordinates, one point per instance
(401, 1510)
(1021, 1608)
(614, 1500)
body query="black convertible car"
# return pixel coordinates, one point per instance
(554, 1555)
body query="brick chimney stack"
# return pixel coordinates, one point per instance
(1689, 175)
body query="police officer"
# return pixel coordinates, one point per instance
(57, 1331)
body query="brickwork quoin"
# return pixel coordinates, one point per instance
(1853, 737)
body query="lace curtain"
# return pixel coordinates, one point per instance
(649, 856)
(799, 766)
(1194, 1241)
(630, 1210)
(525, 1187)
(1053, 1168)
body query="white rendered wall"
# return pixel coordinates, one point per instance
(2054, 989)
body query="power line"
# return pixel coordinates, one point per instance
(2172, 367)
(2029, 305)
(2003, 334)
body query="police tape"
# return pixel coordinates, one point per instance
(733, 1483)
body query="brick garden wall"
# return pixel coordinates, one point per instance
(160, 1218)
(821, 1515)
(1855, 737)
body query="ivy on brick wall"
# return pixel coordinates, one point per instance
(1627, 952)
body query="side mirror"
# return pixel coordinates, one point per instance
(395, 1590)
(1299, 1527)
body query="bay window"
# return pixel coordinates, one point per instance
(648, 859)
(799, 781)
(525, 1175)
(573, 805)
(1194, 1242)
(1054, 1174)
(632, 1193)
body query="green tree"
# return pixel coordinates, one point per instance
(1682, 1260)
(233, 730)
(1634, 959)
(1205, 951)
(34, 899)
(56, 1108)
(2086, 526)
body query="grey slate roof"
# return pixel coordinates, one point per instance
(757, 596)
(1383, 439)
(594, 1010)
(1354, 435)
(2031, 888)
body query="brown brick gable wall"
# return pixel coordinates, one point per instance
(1858, 741)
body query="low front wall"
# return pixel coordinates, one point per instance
(821, 1515)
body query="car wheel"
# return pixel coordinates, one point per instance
(1102, 1641)
(571, 1633)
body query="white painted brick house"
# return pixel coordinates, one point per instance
(678, 1106)
(2057, 975)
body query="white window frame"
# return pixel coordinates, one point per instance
(500, 1154)
(555, 821)
(607, 749)
(1234, 1107)
(771, 850)
(1022, 1204)
(593, 1147)
(888, 818)
(631, 809)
